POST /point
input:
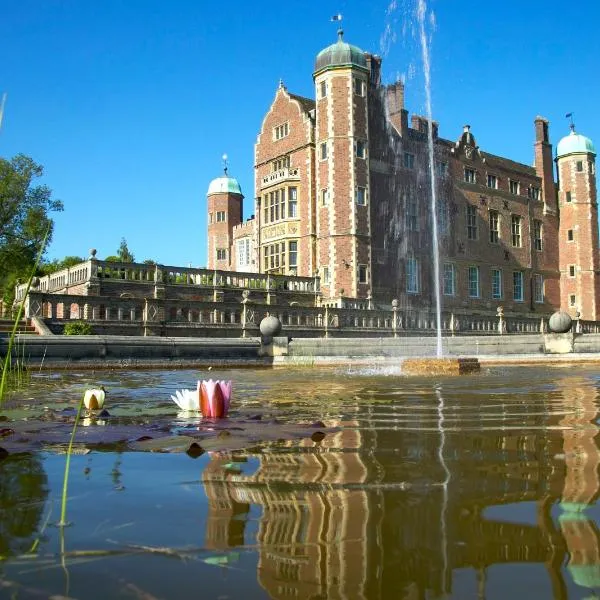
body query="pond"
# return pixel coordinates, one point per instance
(322, 483)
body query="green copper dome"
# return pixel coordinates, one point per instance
(340, 54)
(224, 185)
(575, 143)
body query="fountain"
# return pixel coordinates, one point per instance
(437, 365)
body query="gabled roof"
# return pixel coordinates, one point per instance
(306, 103)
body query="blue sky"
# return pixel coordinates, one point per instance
(130, 104)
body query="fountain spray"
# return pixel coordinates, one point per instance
(421, 15)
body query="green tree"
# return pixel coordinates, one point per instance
(57, 265)
(124, 254)
(24, 219)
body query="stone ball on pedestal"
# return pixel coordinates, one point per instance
(560, 322)
(270, 326)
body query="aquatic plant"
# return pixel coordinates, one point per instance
(7, 366)
(211, 398)
(94, 399)
(63, 503)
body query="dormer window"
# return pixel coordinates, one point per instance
(281, 131)
(470, 175)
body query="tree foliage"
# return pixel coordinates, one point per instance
(57, 265)
(123, 253)
(24, 218)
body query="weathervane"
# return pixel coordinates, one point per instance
(225, 163)
(338, 18)
(572, 124)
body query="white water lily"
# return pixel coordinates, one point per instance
(94, 399)
(187, 400)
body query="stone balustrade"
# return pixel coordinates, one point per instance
(287, 174)
(159, 316)
(89, 276)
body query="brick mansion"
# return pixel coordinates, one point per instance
(342, 192)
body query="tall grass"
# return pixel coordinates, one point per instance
(7, 366)
(63, 504)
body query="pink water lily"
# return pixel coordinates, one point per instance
(211, 398)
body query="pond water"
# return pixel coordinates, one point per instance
(482, 486)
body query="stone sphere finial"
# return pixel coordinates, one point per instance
(93, 252)
(270, 326)
(394, 303)
(560, 322)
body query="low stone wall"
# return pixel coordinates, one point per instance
(65, 351)
(75, 352)
(303, 351)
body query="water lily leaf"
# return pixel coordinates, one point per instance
(224, 559)
(172, 443)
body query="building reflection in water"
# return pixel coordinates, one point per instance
(377, 511)
(581, 486)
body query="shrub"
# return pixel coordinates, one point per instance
(77, 328)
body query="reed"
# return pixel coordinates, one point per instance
(63, 502)
(7, 366)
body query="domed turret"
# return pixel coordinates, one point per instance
(340, 54)
(224, 185)
(575, 143)
(225, 210)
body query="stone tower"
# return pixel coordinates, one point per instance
(225, 211)
(341, 80)
(578, 232)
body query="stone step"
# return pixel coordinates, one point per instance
(24, 327)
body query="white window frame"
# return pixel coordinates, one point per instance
(323, 150)
(516, 230)
(514, 187)
(361, 149)
(323, 89)
(470, 175)
(359, 87)
(222, 251)
(497, 291)
(493, 180)
(471, 217)
(363, 274)
(281, 131)
(518, 286)
(449, 279)
(473, 282)
(538, 235)
(412, 275)
(538, 288)
(361, 195)
(494, 219)
(292, 254)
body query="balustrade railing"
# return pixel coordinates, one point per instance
(246, 316)
(94, 270)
